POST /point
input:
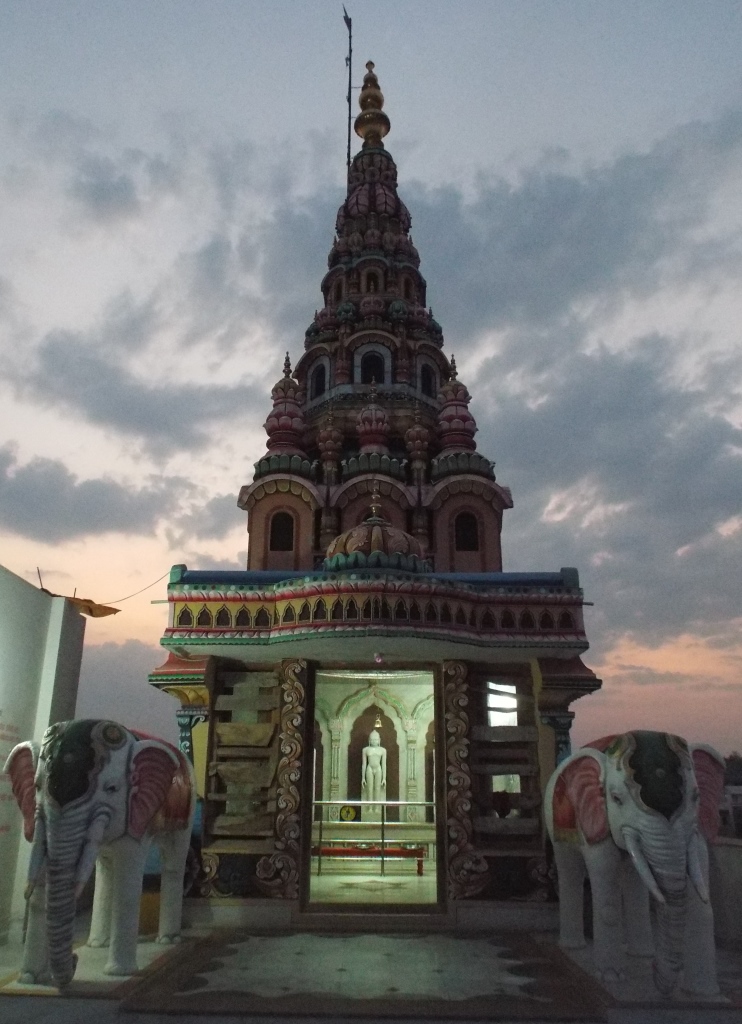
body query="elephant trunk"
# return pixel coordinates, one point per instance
(65, 835)
(666, 853)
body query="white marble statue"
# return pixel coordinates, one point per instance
(97, 792)
(373, 769)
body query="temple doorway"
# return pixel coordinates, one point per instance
(374, 815)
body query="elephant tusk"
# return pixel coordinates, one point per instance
(695, 869)
(633, 845)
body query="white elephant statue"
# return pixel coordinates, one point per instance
(97, 793)
(636, 811)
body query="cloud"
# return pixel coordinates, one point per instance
(166, 417)
(212, 520)
(104, 193)
(44, 501)
(113, 684)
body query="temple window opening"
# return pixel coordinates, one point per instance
(427, 380)
(373, 369)
(204, 618)
(566, 621)
(502, 704)
(262, 619)
(242, 618)
(318, 384)
(407, 289)
(507, 619)
(372, 282)
(466, 532)
(527, 621)
(223, 617)
(185, 618)
(546, 620)
(338, 291)
(282, 532)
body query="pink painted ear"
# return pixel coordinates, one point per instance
(709, 769)
(21, 767)
(151, 776)
(585, 792)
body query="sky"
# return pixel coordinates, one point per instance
(169, 176)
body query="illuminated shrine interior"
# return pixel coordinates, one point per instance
(352, 824)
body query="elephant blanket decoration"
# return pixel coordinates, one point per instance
(97, 794)
(636, 811)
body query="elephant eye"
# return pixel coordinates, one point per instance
(111, 787)
(616, 798)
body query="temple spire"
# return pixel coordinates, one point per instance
(372, 124)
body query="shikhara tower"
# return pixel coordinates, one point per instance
(373, 599)
(374, 402)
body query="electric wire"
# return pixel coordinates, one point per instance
(120, 600)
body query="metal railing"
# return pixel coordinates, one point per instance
(383, 842)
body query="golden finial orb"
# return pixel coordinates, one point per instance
(372, 124)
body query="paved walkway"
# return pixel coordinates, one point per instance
(53, 1009)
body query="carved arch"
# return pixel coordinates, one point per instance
(365, 485)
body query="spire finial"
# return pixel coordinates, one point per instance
(287, 366)
(372, 124)
(453, 367)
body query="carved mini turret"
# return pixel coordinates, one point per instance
(285, 425)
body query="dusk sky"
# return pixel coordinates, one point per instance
(169, 176)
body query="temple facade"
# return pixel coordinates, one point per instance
(373, 706)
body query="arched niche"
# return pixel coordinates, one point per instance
(359, 733)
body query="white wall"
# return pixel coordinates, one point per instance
(41, 639)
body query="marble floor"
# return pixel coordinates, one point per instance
(353, 887)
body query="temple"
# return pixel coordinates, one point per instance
(373, 706)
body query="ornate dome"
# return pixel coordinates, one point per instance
(456, 425)
(285, 425)
(376, 544)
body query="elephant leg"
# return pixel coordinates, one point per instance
(174, 850)
(129, 856)
(100, 924)
(35, 966)
(603, 861)
(571, 874)
(640, 941)
(699, 953)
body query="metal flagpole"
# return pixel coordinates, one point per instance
(349, 62)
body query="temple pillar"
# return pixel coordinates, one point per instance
(561, 723)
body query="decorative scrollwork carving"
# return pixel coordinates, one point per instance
(278, 873)
(467, 869)
(210, 865)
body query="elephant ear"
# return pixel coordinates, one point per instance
(583, 787)
(21, 767)
(709, 768)
(153, 766)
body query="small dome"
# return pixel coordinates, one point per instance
(376, 544)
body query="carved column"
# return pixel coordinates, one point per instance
(194, 708)
(278, 873)
(336, 734)
(561, 723)
(468, 872)
(413, 813)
